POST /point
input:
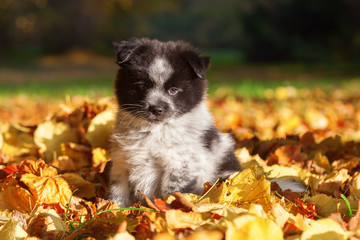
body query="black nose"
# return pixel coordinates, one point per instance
(156, 110)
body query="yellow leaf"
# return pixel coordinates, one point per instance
(277, 171)
(205, 234)
(122, 236)
(99, 159)
(1, 141)
(48, 190)
(324, 229)
(12, 231)
(279, 215)
(80, 154)
(252, 227)
(17, 141)
(241, 188)
(179, 219)
(316, 119)
(100, 129)
(49, 135)
(85, 188)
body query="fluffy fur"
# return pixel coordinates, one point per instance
(164, 138)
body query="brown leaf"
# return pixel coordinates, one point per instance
(85, 189)
(286, 155)
(183, 203)
(149, 202)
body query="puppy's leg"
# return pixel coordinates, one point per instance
(119, 190)
(179, 181)
(229, 165)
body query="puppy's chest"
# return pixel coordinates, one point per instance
(163, 145)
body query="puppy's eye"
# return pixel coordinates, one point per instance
(142, 87)
(173, 91)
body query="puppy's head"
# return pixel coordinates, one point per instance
(158, 81)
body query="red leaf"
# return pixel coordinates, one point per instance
(7, 172)
(160, 204)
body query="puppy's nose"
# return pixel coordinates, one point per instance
(156, 110)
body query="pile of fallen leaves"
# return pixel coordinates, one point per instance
(53, 178)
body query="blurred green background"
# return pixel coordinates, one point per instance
(51, 47)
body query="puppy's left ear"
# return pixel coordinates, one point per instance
(123, 51)
(198, 63)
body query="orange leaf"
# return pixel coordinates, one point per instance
(288, 154)
(36, 167)
(16, 198)
(48, 190)
(7, 172)
(160, 204)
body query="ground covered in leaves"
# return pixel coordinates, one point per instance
(53, 156)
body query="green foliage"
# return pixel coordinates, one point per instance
(350, 211)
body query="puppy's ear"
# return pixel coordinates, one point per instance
(123, 51)
(198, 63)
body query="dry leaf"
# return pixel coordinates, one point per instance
(36, 167)
(80, 154)
(326, 205)
(324, 229)
(49, 136)
(11, 231)
(48, 190)
(205, 234)
(100, 128)
(179, 219)
(252, 227)
(17, 198)
(241, 188)
(85, 189)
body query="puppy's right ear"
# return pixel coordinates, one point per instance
(123, 51)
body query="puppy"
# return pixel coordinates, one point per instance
(164, 138)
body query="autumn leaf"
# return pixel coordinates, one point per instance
(251, 227)
(36, 167)
(49, 136)
(100, 128)
(11, 230)
(179, 219)
(324, 229)
(84, 188)
(249, 185)
(16, 198)
(48, 190)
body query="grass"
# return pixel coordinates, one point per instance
(93, 76)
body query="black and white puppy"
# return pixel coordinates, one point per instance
(164, 137)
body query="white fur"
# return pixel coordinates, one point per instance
(143, 153)
(160, 70)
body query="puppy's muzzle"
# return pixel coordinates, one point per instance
(156, 110)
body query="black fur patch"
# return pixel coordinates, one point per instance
(229, 164)
(211, 135)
